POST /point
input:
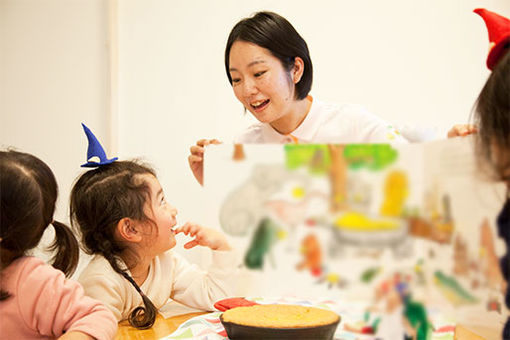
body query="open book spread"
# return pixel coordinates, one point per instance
(402, 229)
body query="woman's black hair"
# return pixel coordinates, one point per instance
(274, 33)
(102, 197)
(28, 194)
(492, 113)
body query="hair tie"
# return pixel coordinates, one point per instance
(96, 156)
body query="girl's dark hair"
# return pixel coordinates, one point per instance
(492, 113)
(100, 198)
(274, 33)
(28, 193)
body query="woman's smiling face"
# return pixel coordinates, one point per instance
(260, 81)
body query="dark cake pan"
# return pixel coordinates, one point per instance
(322, 332)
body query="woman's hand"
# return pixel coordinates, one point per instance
(203, 236)
(196, 158)
(461, 130)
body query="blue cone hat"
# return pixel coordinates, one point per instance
(95, 152)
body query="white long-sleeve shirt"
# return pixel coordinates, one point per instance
(328, 123)
(170, 276)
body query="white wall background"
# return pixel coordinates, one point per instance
(410, 62)
(53, 75)
(416, 62)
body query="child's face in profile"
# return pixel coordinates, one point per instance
(163, 215)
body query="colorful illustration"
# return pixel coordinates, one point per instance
(243, 209)
(238, 154)
(312, 255)
(336, 221)
(396, 189)
(368, 275)
(263, 239)
(460, 257)
(452, 290)
(489, 260)
(416, 316)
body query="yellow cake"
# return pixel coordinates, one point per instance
(280, 316)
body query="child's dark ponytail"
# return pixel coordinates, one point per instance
(141, 317)
(28, 195)
(66, 258)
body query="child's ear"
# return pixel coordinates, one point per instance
(128, 230)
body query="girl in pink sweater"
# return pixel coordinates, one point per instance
(36, 300)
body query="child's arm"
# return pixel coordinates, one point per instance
(76, 336)
(203, 236)
(196, 287)
(52, 304)
(199, 288)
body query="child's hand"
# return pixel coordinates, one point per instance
(206, 237)
(196, 158)
(461, 130)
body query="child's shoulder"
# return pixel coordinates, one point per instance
(97, 266)
(29, 266)
(27, 261)
(32, 274)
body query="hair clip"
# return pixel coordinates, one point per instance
(96, 156)
(499, 35)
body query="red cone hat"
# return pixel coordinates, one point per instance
(499, 35)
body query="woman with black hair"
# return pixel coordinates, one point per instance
(269, 67)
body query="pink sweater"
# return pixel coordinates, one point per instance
(44, 304)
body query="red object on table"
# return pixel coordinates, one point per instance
(367, 330)
(229, 303)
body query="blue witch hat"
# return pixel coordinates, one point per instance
(95, 152)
